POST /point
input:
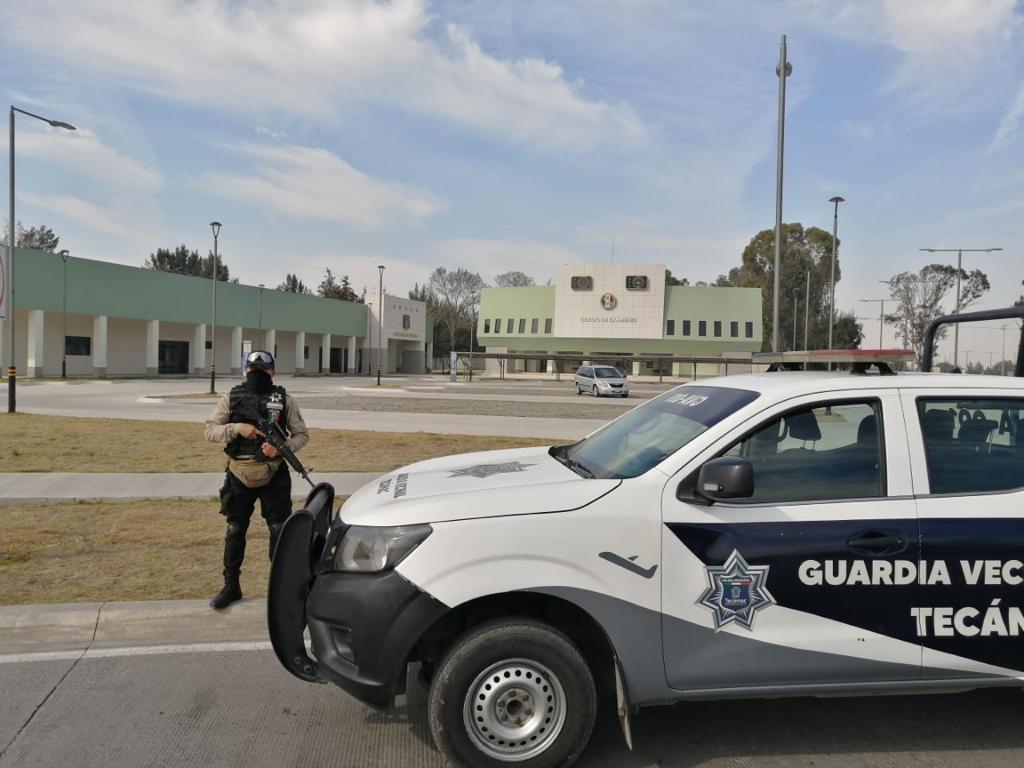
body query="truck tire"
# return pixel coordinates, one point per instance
(514, 692)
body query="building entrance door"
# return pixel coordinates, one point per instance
(173, 357)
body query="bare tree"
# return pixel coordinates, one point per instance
(455, 296)
(919, 300)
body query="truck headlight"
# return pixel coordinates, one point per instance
(369, 549)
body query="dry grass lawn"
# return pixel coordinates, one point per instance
(34, 443)
(125, 551)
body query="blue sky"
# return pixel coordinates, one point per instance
(498, 135)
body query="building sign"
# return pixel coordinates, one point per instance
(405, 335)
(620, 301)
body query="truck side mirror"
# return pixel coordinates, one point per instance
(725, 478)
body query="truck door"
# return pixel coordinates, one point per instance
(810, 581)
(968, 459)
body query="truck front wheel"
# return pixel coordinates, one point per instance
(513, 691)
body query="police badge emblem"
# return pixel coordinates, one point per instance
(274, 407)
(609, 302)
(487, 470)
(736, 591)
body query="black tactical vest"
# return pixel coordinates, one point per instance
(249, 407)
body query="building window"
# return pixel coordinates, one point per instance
(686, 327)
(534, 325)
(406, 322)
(497, 325)
(547, 325)
(718, 328)
(670, 327)
(702, 328)
(581, 283)
(305, 352)
(209, 345)
(511, 326)
(522, 325)
(77, 345)
(749, 329)
(487, 326)
(734, 328)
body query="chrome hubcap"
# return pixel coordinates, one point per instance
(514, 710)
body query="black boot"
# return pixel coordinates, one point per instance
(275, 534)
(231, 593)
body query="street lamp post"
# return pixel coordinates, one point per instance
(8, 306)
(1002, 354)
(215, 226)
(380, 317)
(959, 268)
(832, 280)
(782, 71)
(881, 317)
(967, 360)
(64, 318)
(807, 309)
(260, 319)
(796, 298)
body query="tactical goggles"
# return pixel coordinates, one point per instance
(259, 359)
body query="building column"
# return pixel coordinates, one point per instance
(152, 347)
(636, 367)
(552, 366)
(99, 346)
(270, 341)
(352, 354)
(36, 324)
(300, 357)
(430, 357)
(325, 353)
(199, 350)
(236, 351)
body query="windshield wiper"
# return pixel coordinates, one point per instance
(561, 454)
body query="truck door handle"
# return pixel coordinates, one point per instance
(876, 541)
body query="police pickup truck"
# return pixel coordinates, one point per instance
(782, 533)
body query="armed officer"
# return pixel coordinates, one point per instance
(255, 468)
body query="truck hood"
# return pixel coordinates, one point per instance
(519, 481)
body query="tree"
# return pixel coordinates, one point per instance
(514, 279)
(40, 238)
(919, 297)
(419, 293)
(671, 279)
(803, 251)
(330, 288)
(455, 297)
(292, 284)
(182, 261)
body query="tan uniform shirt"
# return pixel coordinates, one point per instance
(219, 430)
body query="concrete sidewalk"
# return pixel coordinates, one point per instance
(80, 626)
(66, 487)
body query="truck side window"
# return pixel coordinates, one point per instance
(972, 445)
(825, 452)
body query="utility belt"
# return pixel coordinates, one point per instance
(253, 472)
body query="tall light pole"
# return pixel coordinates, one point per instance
(782, 71)
(959, 268)
(215, 226)
(967, 360)
(881, 317)
(832, 280)
(807, 309)
(7, 307)
(260, 319)
(796, 298)
(64, 317)
(380, 317)
(1002, 354)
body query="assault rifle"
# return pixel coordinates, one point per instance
(275, 436)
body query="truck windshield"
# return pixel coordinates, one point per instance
(647, 435)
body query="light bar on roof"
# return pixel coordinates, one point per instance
(866, 356)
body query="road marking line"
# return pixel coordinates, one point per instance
(139, 650)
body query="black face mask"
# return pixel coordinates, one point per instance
(258, 380)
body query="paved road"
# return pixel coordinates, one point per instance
(237, 707)
(134, 399)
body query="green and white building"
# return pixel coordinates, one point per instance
(115, 320)
(618, 312)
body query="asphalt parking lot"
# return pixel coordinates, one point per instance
(239, 708)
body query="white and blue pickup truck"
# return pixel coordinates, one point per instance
(783, 533)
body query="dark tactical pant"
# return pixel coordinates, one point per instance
(238, 504)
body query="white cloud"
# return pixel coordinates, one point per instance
(88, 215)
(306, 182)
(1006, 132)
(84, 152)
(320, 58)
